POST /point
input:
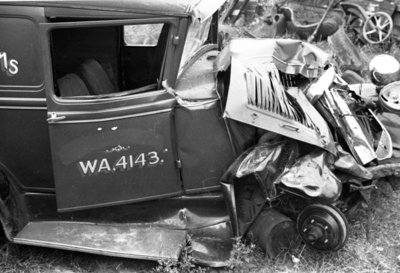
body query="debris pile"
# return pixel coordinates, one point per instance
(323, 143)
(370, 21)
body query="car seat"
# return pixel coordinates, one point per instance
(72, 85)
(96, 78)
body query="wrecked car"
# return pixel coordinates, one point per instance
(126, 131)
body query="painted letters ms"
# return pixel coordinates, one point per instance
(9, 66)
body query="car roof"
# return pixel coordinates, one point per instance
(200, 9)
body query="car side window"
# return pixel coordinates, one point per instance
(142, 35)
(103, 61)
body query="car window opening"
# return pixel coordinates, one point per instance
(98, 62)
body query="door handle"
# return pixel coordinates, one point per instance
(54, 118)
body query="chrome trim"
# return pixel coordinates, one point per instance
(112, 118)
(121, 202)
(23, 103)
(23, 108)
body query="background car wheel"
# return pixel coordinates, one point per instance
(377, 28)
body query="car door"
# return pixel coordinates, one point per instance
(111, 143)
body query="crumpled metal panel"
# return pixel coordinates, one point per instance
(346, 163)
(257, 97)
(384, 146)
(311, 175)
(119, 240)
(266, 162)
(260, 157)
(202, 10)
(323, 128)
(289, 56)
(349, 126)
(317, 89)
(391, 121)
(212, 251)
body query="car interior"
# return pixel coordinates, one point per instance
(99, 61)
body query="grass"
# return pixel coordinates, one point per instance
(373, 246)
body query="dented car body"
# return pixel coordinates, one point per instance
(126, 130)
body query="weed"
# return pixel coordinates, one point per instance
(185, 263)
(241, 255)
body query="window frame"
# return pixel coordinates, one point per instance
(140, 45)
(167, 71)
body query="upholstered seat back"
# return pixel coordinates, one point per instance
(72, 85)
(96, 78)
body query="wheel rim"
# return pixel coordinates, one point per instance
(377, 28)
(323, 227)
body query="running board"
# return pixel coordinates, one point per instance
(119, 240)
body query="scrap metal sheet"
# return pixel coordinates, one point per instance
(252, 104)
(289, 56)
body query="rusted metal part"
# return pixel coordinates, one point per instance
(323, 227)
(274, 232)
